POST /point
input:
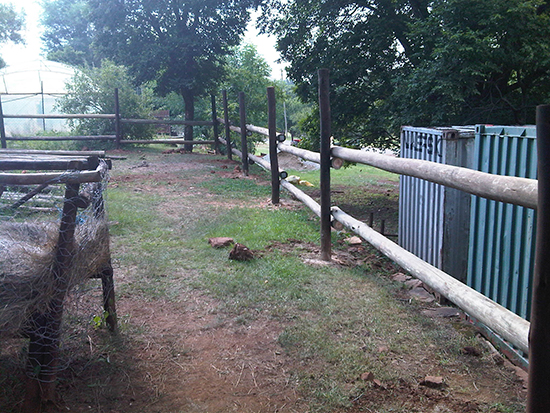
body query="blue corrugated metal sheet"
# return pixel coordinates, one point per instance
(502, 236)
(430, 215)
(421, 202)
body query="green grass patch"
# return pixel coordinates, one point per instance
(236, 188)
(354, 175)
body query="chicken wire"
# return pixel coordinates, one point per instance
(42, 280)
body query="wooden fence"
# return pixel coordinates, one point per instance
(119, 122)
(532, 337)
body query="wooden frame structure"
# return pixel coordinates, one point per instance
(44, 327)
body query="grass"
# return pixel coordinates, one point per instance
(339, 316)
(336, 318)
(350, 176)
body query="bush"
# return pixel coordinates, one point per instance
(92, 90)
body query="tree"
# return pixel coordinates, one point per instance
(178, 44)
(68, 32)
(417, 62)
(91, 90)
(247, 72)
(11, 24)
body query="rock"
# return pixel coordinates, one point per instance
(220, 242)
(422, 295)
(354, 240)
(368, 376)
(240, 253)
(414, 283)
(378, 383)
(433, 382)
(400, 277)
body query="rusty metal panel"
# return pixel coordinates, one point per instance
(502, 236)
(433, 219)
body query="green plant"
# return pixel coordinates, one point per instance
(92, 91)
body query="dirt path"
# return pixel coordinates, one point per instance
(185, 355)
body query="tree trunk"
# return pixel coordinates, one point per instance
(189, 102)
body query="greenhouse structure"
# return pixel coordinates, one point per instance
(33, 88)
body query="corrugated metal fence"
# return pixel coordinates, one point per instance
(502, 236)
(487, 244)
(434, 219)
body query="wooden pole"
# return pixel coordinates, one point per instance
(538, 393)
(244, 144)
(272, 126)
(216, 123)
(227, 125)
(2, 128)
(45, 327)
(43, 105)
(324, 108)
(118, 128)
(301, 153)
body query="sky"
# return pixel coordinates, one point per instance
(15, 54)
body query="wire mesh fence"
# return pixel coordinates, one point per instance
(53, 239)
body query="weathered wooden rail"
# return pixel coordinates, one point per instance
(532, 338)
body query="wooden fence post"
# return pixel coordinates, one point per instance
(216, 123)
(324, 108)
(226, 124)
(2, 128)
(244, 145)
(44, 333)
(272, 127)
(538, 393)
(118, 128)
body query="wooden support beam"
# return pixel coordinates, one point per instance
(538, 391)
(274, 162)
(225, 121)
(244, 143)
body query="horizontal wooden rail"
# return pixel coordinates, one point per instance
(63, 138)
(166, 122)
(302, 196)
(251, 128)
(100, 154)
(513, 190)
(501, 320)
(166, 141)
(62, 116)
(70, 177)
(302, 153)
(257, 129)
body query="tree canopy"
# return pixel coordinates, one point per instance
(11, 25)
(178, 44)
(418, 62)
(68, 32)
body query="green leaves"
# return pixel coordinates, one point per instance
(92, 91)
(422, 63)
(11, 24)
